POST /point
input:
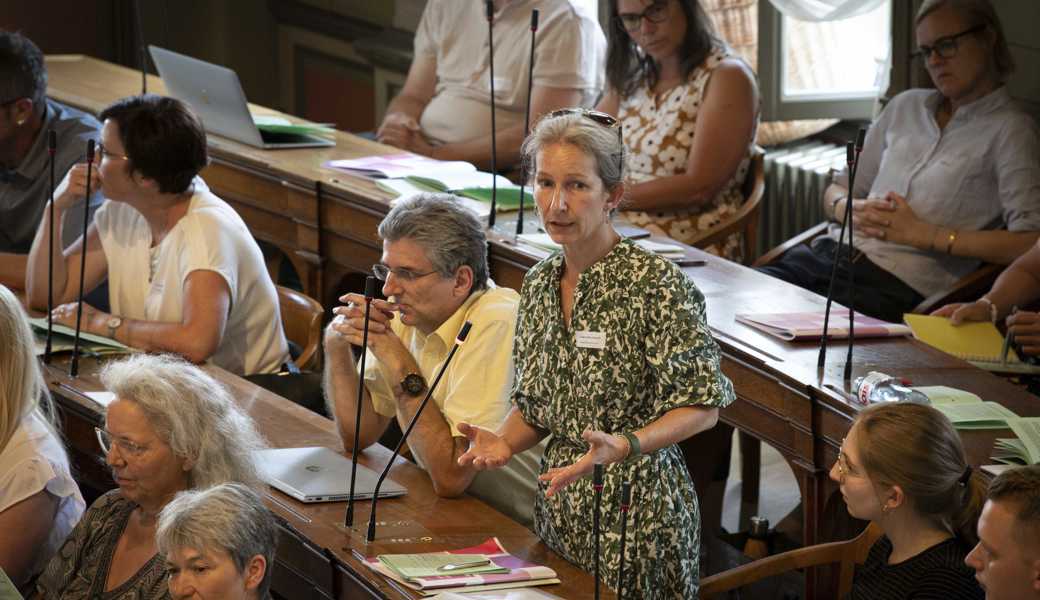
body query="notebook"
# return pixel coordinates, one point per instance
(978, 342)
(800, 326)
(319, 474)
(216, 96)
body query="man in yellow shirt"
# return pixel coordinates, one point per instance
(435, 276)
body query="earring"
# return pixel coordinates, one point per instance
(21, 122)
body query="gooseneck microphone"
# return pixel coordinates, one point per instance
(852, 151)
(52, 148)
(370, 292)
(74, 366)
(597, 487)
(490, 7)
(626, 502)
(527, 119)
(459, 340)
(142, 47)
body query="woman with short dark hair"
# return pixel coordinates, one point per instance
(184, 273)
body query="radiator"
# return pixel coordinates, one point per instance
(796, 176)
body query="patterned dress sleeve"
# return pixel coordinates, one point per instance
(680, 350)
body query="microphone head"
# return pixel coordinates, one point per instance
(90, 151)
(597, 475)
(490, 6)
(861, 136)
(463, 332)
(534, 20)
(52, 140)
(370, 287)
(626, 494)
(850, 153)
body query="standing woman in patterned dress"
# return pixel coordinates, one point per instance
(689, 108)
(615, 363)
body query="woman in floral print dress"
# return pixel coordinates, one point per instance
(689, 108)
(615, 363)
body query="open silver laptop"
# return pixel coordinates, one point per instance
(216, 95)
(318, 474)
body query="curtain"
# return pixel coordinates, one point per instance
(824, 10)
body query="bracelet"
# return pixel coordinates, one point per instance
(992, 308)
(634, 449)
(834, 208)
(950, 240)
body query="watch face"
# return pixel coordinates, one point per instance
(413, 384)
(115, 322)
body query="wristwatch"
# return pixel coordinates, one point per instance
(413, 384)
(113, 324)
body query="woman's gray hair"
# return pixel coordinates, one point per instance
(193, 414)
(449, 233)
(977, 12)
(600, 142)
(229, 517)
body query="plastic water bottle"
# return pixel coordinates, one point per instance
(879, 387)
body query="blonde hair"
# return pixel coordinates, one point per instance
(22, 390)
(916, 447)
(978, 12)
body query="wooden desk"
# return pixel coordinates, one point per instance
(317, 555)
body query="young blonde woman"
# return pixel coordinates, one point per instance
(902, 467)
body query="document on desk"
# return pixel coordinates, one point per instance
(64, 340)
(976, 415)
(1022, 450)
(800, 326)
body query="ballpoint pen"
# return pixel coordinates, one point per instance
(1007, 341)
(464, 565)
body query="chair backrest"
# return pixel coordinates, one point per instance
(302, 320)
(745, 220)
(847, 554)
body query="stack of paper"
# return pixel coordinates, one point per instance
(282, 125)
(64, 339)
(1023, 450)
(978, 343)
(968, 411)
(809, 325)
(422, 572)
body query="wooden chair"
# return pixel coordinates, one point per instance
(846, 554)
(965, 289)
(302, 321)
(746, 218)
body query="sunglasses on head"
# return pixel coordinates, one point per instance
(593, 115)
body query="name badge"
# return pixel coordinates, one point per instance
(596, 340)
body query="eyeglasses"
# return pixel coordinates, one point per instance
(655, 13)
(127, 448)
(843, 464)
(106, 154)
(382, 271)
(945, 47)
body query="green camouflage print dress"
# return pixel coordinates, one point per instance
(657, 355)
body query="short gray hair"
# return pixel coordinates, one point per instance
(229, 517)
(977, 12)
(193, 414)
(592, 138)
(450, 234)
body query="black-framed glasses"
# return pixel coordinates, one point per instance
(945, 47)
(103, 153)
(127, 448)
(655, 13)
(382, 271)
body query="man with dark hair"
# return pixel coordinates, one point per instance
(434, 273)
(1007, 558)
(26, 115)
(184, 273)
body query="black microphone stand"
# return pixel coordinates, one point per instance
(52, 148)
(463, 332)
(597, 486)
(626, 501)
(861, 136)
(527, 120)
(490, 6)
(74, 366)
(370, 291)
(143, 49)
(852, 160)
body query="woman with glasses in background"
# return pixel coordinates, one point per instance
(902, 467)
(948, 177)
(615, 364)
(171, 428)
(38, 497)
(184, 273)
(689, 108)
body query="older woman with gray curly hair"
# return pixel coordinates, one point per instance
(171, 428)
(218, 543)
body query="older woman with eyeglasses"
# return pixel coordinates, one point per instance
(615, 364)
(171, 428)
(689, 107)
(947, 178)
(38, 497)
(902, 467)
